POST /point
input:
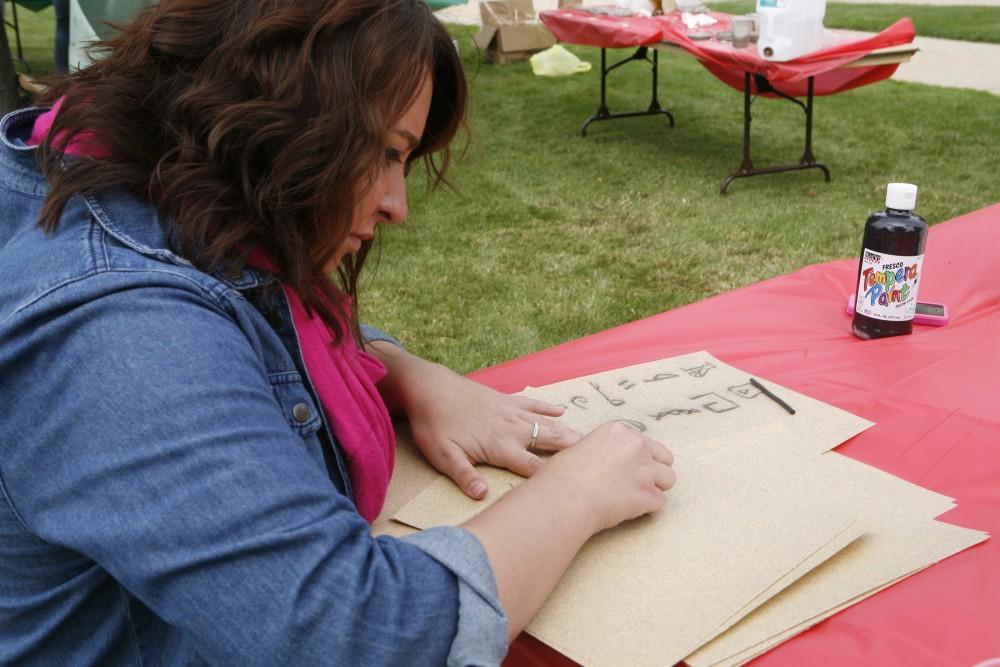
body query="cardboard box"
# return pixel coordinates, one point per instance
(511, 31)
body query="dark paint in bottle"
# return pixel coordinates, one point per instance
(891, 266)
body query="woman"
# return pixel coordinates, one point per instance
(192, 438)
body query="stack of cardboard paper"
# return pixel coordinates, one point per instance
(765, 533)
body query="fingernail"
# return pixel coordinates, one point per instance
(477, 489)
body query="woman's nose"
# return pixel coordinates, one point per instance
(393, 206)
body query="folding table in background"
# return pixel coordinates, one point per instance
(847, 60)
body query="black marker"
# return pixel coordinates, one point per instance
(767, 392)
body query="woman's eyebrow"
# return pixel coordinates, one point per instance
(409, 137)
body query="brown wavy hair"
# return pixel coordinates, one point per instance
(256, 124)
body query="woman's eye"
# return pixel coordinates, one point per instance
(393, 155)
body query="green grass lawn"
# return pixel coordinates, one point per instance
(969, 23)
(37, 37)
(552, 236)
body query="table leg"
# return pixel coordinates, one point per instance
(654, 105)
(807, 155)
(10, 98)
(16, 25)
(807, 161)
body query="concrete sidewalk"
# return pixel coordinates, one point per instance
(941, 62)
(937, 3)
(949, 62)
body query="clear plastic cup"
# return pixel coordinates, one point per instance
(741, 26)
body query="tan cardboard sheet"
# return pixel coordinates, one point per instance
(411, 475)
(902, 539)
(916, 541)
(887, 490)
(767, 645)
(616, 589)
(824, 553)
(695, 398)
(651, 591)
(878, 488)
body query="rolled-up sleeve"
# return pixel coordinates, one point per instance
(370, 334)
(481, 638)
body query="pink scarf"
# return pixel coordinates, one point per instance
(344, 375)
(84, 144)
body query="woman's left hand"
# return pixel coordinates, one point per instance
(458, 423)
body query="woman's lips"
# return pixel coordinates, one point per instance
(356, 240)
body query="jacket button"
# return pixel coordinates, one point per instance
(301, 413)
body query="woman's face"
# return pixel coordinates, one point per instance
(385, 201)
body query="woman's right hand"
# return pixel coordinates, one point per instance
(616, 471)
(532, 533)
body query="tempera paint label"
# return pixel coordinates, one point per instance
(887, 289)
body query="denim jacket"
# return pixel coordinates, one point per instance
(170, 491)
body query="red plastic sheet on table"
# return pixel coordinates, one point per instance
(575, 26)
(933, 397)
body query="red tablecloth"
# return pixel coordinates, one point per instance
(575, 26)
(935, 399)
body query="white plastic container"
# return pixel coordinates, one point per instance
(789, 28)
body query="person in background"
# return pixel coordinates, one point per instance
(62, 36)
(196, 430)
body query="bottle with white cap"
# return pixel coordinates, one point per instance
(891, 266)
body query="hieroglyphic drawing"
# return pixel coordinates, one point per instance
(675, 412)
(714, 402)
(617, 402)
(699, 371)
(745, 390)
(612, 391)
(632, 423)
(691, 399)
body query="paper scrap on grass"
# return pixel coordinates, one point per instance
(695, 398)
(652, 590)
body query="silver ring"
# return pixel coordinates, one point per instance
(534, 434)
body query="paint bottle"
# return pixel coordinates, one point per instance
(891, 266)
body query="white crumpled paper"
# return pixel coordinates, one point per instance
(692, 21)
